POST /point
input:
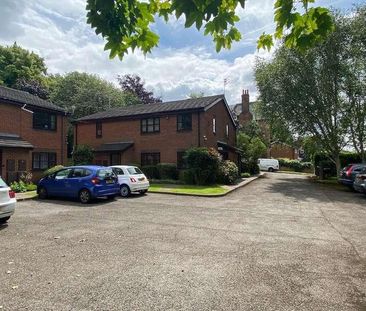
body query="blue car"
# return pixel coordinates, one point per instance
(82, 182)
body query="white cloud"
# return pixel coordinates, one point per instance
(57, 30)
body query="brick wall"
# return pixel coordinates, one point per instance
(14, 120)
(168, 141)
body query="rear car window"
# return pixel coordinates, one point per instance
(118, 171)
(134, 171)
(105, 173)
(3, 184)
(80, 172)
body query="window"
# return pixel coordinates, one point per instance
(44, 121)
(118, 171)
(80, 172)
(62, 174)
(227, 130)
(43, 160)
(180, 160)
(106, 173)
(150, 158)
(151, 125)
(214, 125)
(184, 122)
(98, 130)
(134, 171)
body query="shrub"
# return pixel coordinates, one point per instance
(26, 177)
(18, 186)
(31, 187)
(295, 165)
(250, 167)
(52, 170)
(228, 172)
(203, 163)
(82, 155)
(151, 171)
(345, 159)
(187, 176)
(245, 175)
(167, 171)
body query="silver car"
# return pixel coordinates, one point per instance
(7, 202)
(360, 181)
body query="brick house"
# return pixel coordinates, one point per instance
(244, 112)
(159, 132)
(32, 134)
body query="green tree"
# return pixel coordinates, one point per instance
(83, 94)
(17, 63)
(303, 91)
(127, 24)
(83, 155)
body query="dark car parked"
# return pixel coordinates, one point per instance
(348, 174)
(360, 181)
(82, 182)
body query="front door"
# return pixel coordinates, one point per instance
(115, 158)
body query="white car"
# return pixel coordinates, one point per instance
(269, 165)
(131, 179)
(7, 202)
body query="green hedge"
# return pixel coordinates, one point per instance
(250, 167)
(321, 159)
(151, 171)
(295, 165)
(167, 171)
(228, 173)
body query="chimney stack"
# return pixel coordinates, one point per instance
(245, 101)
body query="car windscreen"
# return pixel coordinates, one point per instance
(105, 173)
(134, 171)
(3, 184)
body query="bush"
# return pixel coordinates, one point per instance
(187, 176)
(151, 171)
(167, 171)
(250, 167)
(204, 164)
(53, 170)
(228, 173)
(245, 175)
(18, 186)
(26, 177)
(82, 155)
(346, 158)
(31, 187)
(295, 165)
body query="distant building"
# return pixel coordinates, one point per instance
(244, 112)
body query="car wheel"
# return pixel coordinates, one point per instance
(270, 169)
(85, 196)
(42, 193)
(4, 220)
(125, 191)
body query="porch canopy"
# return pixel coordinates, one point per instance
(8, 140)
(222, 146)
(114, 147)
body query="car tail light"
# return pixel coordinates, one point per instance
(95, 181)
(11, 194)
(133, 179)
(349, 171)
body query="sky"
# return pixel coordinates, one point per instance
(184, 62)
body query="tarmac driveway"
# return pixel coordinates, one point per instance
(280, 243)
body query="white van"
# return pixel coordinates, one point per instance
(269, 165)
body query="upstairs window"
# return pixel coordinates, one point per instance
(44, 121)
(214, 125)
(151, 125)
(184, 122)
(98, 130)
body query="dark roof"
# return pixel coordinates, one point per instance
(26, 98)
(137, 110)
(116, 146)
(13, 141)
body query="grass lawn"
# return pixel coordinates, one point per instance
(188, 189)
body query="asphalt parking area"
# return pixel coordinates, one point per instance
(280, 243)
